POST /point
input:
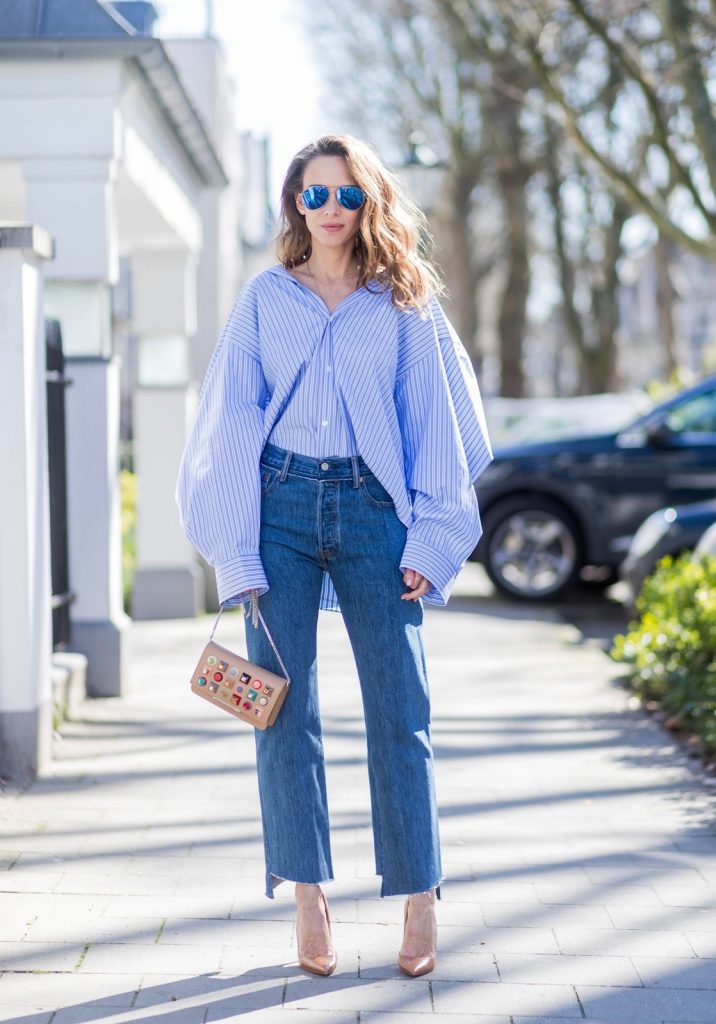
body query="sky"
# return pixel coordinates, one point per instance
(270, 59)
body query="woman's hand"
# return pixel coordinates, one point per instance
(417, 583)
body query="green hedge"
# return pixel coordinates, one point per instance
(128, 491)
(670, 653)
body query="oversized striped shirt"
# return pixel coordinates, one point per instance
(403, 392)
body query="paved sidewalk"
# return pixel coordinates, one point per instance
(579, 845)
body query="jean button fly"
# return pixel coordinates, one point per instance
(325, 465)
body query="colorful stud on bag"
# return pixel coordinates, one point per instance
(213, 687)
(211, 660)
(201, 680)
(223, 665)
(233, 671)
(252, 694)
(238, 688)
(247, 705)
(236, 699)
(245, 677)
(263, 701)
(268, 690)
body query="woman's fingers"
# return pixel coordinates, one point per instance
(418, 584)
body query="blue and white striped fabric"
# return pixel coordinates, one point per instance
(401, 392)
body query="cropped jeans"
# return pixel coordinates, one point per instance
(333, 514)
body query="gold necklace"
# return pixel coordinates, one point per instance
(318, 285)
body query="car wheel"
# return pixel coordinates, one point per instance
(531, 548)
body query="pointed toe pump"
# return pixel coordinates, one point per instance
(414, 966)
(325, 963)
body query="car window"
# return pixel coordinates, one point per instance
(695, 416)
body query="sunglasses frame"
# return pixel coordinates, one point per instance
(339, 193)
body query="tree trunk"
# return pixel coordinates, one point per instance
(457, 258)
(599, 363)
(665, 298)
(513, 173)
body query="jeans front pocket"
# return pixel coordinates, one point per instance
(374, 492)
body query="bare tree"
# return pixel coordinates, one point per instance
(660, 154)
(398, 56)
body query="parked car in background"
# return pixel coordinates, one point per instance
(552, 507)
(668, 531)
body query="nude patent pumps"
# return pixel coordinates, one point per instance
(324, 964)
(414, 966)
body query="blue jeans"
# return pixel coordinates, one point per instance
(341, 519)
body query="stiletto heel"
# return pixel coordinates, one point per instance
(324, 964)
(414, 966)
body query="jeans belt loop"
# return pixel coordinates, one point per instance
(284, 469)
(355, 463)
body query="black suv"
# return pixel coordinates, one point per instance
(550, 508)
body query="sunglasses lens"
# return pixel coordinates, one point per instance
(350, 196)
(315, 197)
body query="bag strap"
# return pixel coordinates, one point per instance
(253, 608)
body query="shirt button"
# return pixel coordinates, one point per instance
(324, 423)
(328, 369)
(325, 465)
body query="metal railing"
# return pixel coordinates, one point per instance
(62, 595)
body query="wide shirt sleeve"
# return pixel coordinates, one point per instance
(446, 447)
(218, 489)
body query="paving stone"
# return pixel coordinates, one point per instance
(96, 929)
(547, 1000)
(15, 904)
(160, 1015)
(662, 918)
(13, 928)
(567, 969)
(23, 1015)
(40, 956)
(601, 894)
(351, 995)
(676, 972)
(622, 942)
(28, 881)
(54, 990)
(703, 944)
(119, 884)
(169, 905)
(687, 896)
(132, 958)
(493, 940)
(647, 1005)
(368, 1017)
(287, 1016)
(194, 931)
(552, 916)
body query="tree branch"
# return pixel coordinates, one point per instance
(679, 172)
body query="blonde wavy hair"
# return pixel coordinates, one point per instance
(393, 242)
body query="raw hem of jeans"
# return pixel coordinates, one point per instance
(273, 881)
(435, 886)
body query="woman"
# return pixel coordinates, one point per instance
(339, 432)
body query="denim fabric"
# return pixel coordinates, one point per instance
(342, 520)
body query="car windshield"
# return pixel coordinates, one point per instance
(529, 420)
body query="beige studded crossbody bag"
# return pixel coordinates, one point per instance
(234, 684)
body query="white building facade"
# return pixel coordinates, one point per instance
(122, 149)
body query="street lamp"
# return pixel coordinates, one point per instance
(422, 173)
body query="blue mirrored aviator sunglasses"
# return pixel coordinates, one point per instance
(349, 196)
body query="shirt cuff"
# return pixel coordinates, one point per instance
(236, 579)
(433, 566)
